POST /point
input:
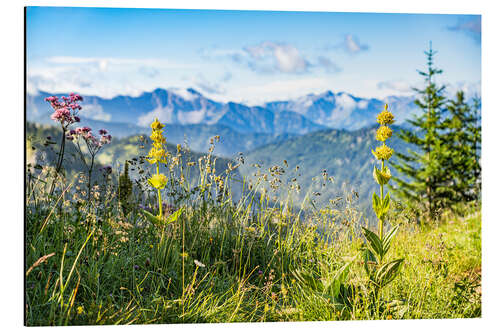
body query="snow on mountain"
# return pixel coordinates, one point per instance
(343, 110)
(189, 107)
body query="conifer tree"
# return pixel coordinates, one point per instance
(476, 144)
(422, 176)
(125, 190)
(462, 137)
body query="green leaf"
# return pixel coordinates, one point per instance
(381, 176)
(152, 218)
(163, 222)
(386, 201)
(386, 241)
(306, 279)
(333, 287)
(388, 272)
(370, 261)
(376, 203)
(374, 241)
(175, 216)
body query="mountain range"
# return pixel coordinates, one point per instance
(193, 117)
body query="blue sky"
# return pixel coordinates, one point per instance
(246, 56)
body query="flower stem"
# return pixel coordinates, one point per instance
(59, 159)
(380, 221)
(160, 205)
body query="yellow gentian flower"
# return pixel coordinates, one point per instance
(383, 133)
(158, 181)
(385, 117)
(156, 125)
(383, 152)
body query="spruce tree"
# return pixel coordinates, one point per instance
(462, 137)
(421, 175)
(125, 190)
(475, 132)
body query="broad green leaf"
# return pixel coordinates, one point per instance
(376, 203)
(385, 202)
(340, 277)
(175, 216)
(306, 279)
(388, 272)
(381, 176)
(370, 262)
(386, 241)
(157, 221)
(374, 241)
(152, 218)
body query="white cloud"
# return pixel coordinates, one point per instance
(281, 57)
(164, 115)
(94, 111)
(352, 45)
(400, 86)
(209, 86)
(470, 89)
(262, 92)
(470, 26)
(328, 64)
(104, 77)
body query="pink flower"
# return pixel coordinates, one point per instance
(62, 110)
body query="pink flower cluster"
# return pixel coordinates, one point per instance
(65, 111)
(93, 142)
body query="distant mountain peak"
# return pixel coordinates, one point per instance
(183, 106)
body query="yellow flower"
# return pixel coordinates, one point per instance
(157, 136)
(156, 155)
(79, 310)
(381, 176)
(156, 125)
(383, 152)
(383, 133)
(158, 181)
(385, 117)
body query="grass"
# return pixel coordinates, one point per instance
(231, 260)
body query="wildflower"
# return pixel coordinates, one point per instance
(156, 155)
(198, 263)
(156, 125)
(158, 181)
(385, 117)
(381, 176)
(389, 317)
(79, 310)
(383, 152)
(383, 133)
(251, 229)
(63, 110)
